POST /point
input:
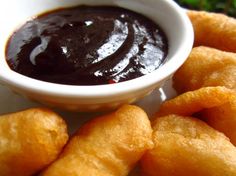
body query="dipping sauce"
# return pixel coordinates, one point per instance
(87, 45)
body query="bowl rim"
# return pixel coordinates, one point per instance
(61, 90)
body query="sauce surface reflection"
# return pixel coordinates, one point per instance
(87, 45)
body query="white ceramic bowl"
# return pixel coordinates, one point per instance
(166, 13)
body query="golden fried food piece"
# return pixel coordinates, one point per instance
(186, 146)
(214, 30)
(106, 146)
(206, 67)
(215, 105)
(195, 101)
(30, 140)
(223, 118)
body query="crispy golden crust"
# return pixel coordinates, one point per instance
(223, 118)
(216, 105)
(214, 30)
(106, 146)
(30, 140)
(206, 67)
(186, 146)
(195, 101)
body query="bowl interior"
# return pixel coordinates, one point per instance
(165, 13)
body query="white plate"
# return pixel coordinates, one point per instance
(11, 102)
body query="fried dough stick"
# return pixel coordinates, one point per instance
(30, 140)
(185, 146)
(206, 67)
(215, 105)
(223, 118)
(194, 101)
(214, 30)
(106, 146)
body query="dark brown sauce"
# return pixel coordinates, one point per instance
(87, 45)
